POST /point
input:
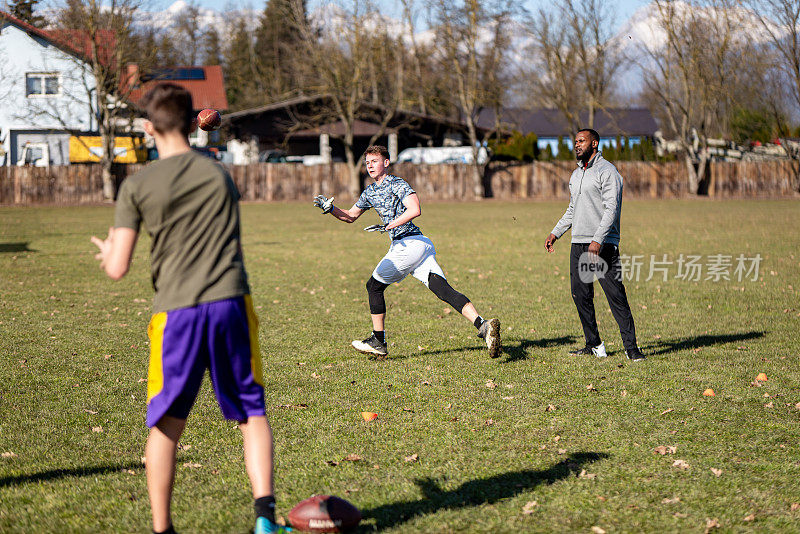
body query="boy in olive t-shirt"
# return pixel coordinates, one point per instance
(203, 315)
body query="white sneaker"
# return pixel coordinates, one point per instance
(600, 350)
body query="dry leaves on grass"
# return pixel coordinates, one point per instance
(8, 454)
(489, 422)
(413, 458)
(585, 474)
(491, 384)
(562, 451)
(550, 408)
(590, 387)
(529, 507)
(352, 458)
(97, 429)
(795, 506)
(668, 500)
(680, 464)
(192, 465)
(712, 524)
(717, 472)
(769, 405)
(751, 517)
(598, 530)
(665, 412)
(665, 449)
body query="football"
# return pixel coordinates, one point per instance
(324, 513)
(209, 119)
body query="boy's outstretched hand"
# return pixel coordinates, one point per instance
(323, 203)
(104, 246)
(116, 251)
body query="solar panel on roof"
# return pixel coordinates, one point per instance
(180, 73)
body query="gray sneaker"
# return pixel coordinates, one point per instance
(371, 345)
(490, 331)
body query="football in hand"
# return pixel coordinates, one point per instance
(324, 513)
(209, 119)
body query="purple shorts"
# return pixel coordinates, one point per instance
(221, 336)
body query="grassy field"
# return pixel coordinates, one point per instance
(535, 441)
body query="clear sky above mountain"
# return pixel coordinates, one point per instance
(623, 9)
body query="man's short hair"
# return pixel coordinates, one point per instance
(593, 135)
(169, 108)
(378, 150)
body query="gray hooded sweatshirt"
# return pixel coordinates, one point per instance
(595, 203)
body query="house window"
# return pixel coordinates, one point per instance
(42, 84)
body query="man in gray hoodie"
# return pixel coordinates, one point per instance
(595, 204)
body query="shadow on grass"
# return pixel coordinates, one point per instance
(520, 350)
(475, 492)
(55, 474)
(15, 247)
(707, 340)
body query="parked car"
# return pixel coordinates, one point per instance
(272, 156)
(443, 154)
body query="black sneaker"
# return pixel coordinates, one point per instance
(635, 355)
(585, 351)
(490, 331)
(371, 345)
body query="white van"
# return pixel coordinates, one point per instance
(443, 154)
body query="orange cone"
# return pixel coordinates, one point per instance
(709, 393)
(369, 416)
(762, 377)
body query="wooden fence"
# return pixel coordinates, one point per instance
(82, 184)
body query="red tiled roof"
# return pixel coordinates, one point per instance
(207, 93)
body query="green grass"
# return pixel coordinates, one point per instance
(73, 353)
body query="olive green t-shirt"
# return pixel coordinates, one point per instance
(189, 206)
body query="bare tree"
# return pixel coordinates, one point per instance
(101, 35)
(575, 59)
(472, 41)
(692, 78)
(347, 64)
(780, 20)
(187, 31)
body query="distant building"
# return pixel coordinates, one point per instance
(45, 91)
(634, 124)
(304, 126)
(205, 83)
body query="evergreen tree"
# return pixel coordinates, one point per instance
(277, 45)
(242, 81)
(212, 47)
(25, 10)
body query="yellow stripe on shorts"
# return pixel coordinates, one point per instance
(255, 350)
(155, 374)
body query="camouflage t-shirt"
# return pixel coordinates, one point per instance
(387, 199)
(189, 206)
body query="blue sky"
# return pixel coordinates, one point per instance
(623, 8)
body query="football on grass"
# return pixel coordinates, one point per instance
(324, 513)
(209, 119)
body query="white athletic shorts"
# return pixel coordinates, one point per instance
(413, 254)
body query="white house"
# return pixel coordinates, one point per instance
(45, 91)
